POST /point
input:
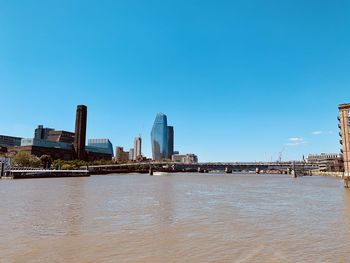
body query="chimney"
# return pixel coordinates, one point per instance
(80, 132)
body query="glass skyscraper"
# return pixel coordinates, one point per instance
(159, 137)
(170, 141)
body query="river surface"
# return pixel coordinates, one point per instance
(175, 218)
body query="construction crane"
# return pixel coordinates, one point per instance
(280, 155)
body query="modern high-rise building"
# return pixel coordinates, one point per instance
(131, 154)
(80, 132)
(137, 147)
(159, 137)
(344, 126)
(42, 133)
(170, 141)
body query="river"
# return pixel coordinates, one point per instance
(175, 218)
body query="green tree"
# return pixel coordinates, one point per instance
(21, 159)
(25, 159)
(46, 161)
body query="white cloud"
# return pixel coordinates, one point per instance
(321, 132)
(294, 141)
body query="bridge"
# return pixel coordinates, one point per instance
(228, 167)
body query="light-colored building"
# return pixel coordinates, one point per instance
(137, 147)
(330, 162)
(344, 126)
(131, 154)
(185, 158)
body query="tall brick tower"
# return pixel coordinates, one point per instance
(80, 132)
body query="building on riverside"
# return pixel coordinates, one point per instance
(170, 141)
(6, 141)
(344, 126)
(131, 154)
(162, 138)
(328, 162)
(137, 148)
(185, 158)
(42, 133)
(61, 136)
(100, 144)
(67, 145)
(120, 155)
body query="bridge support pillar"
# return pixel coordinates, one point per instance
(257, 170)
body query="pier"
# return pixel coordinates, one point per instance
(30, 174)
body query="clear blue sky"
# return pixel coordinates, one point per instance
(239, 80)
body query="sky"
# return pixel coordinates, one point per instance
(239, 80)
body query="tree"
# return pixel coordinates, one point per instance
(25, 159)
(46, 161)
(21, 159)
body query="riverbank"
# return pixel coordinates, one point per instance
(331, 174)
(31, 174)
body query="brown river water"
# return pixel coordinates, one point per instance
(175, 218)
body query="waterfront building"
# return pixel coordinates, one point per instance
(159, 137)
(60, 136)
(120, 155)
(170, 141)
(185, 158)
(132, 154)
(137, 148)
(42, 133)
(101, 144)
(344, 126)
(80, 132)
(6, 141)
(65, 145)
(328, 162)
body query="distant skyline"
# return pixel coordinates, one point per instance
(240, 80)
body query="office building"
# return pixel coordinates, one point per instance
(162, 145)
(42, 133)
(104, 145)
(120, 155)
(170, 141)
(137, 148)
(185, 158)
(328, 162)
(6, 141)
(131, 154)
(344, 126)
(80, 132)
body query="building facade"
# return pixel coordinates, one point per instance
(120, 155)
(60, 136)
(159, 138)
(344, 126)
(131, 154)
(328, 162)
(101, 144)
(6, 141)
(42, 133)
(170, 141)
(137, 148)
(185, 158)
